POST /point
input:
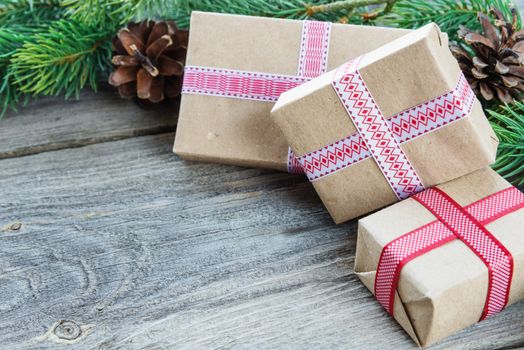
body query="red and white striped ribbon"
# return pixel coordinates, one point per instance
(406, 125)
(314, 47)
(237, 84)
(375, 131)
(467, 224)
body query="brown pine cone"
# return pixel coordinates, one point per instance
(150, 60)
(493, 61)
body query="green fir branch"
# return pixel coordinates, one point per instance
(448, 14)
(19, 22)
(508, 123)
(61, 60)
(114, 13)
(10, 97)
(10, 40)
(105, 13)
(29, 13)
(333, 11)
(138, 10)
(180, 10)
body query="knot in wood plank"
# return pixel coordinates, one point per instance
(67, 330)
(15, 226)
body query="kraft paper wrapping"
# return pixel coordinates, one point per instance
(401, 74)
(241, 132)
(444, 290)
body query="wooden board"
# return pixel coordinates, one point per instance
(43, 126)
(141, 250)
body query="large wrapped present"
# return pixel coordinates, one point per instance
(386, 125)
(447, 257)
(236, 68)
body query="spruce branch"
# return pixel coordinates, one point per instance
(139, 10)
(347, 5)
(10, 40)
(105, 13)
(448, 14)
(62, 60)
(326, 10)
(29, 13)
(508, 123)
(116, 13)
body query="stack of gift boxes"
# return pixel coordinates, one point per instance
(372, 116)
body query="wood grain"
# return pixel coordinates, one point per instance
(52, 123)
(121, 245)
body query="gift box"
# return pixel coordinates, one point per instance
(386, 125)
(236, 68)
(447, 257)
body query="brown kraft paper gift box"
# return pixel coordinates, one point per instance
(443, 290)
(411, 80)
(240, 131)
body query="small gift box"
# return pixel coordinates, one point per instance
(236, 68)
(447, 257)
(386, 125)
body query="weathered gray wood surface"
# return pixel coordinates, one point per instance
(109, 241)
(141, 250)
(45, 127)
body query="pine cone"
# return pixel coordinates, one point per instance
(150, 60)
(493, 61)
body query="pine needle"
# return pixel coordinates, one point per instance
(448, 14)
(29, 13)
(105, 13)
(122, 11)
(61, 60)
(291, 9)
(508, 123)
(10, 40)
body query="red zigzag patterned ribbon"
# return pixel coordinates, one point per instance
(374, 131)
(467, 224)
(406, 125)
